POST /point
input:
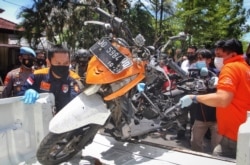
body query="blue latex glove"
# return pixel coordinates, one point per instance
(212, 83)
(186, 101)
(30, 96)
(215, 81)
(141, 87)
(204, 71)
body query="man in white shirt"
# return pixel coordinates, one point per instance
(189, 63)
(191, 59)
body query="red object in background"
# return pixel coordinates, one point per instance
(167, 84)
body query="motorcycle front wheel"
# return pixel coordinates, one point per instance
(58, 148)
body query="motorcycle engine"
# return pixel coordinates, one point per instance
(152, 100)
(147, 112)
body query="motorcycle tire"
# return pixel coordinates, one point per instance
(58, 148)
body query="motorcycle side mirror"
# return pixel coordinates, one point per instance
(139, 40)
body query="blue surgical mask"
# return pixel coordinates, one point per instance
(200, 64)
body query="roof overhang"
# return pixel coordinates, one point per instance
(10, 46)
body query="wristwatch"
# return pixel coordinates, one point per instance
(194, 99)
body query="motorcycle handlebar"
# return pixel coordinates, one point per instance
(176, 68)
(116, 23)
(102, 12)
(176, 106)
(106, 14)
(106, 25)
(175, 37)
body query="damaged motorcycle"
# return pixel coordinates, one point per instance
(110, 99)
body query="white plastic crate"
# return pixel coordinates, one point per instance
(243, 144)
(22, 127)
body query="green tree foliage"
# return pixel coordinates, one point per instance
(209, 21)
(162, 9)
(205, 21)
(60, 21)
(140, 22)
(34, 21)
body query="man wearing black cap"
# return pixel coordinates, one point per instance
(16, 78)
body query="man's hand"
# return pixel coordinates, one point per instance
(141, 87)
(215, 80)
(212, 83)
(30, 96)
(186, 101)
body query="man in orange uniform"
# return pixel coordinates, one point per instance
(232, 96)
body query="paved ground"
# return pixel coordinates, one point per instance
(104, 150)
(122, 153)
(170, 140)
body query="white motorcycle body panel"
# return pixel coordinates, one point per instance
(81, 111)
(22, 127)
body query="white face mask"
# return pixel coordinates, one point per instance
(218, 62)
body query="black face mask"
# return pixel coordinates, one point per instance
(27, 62)
(191, 58)
(61, 71)
(40, 62)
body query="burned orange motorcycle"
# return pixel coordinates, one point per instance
(114, 69)
(112, 98)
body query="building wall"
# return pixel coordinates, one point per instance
(8, 55)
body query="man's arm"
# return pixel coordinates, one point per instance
(27, 85)
(8, 89)
(185, 66)
(76, 89)
(219, 99)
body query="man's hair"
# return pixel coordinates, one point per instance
(230, 45)
(205, 53)
(38, 51)
(193, 47)
(57, 49)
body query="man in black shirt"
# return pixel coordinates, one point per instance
(57, 79)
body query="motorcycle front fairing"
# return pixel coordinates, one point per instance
(81, 111)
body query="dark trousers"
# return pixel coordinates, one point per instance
(226, 147)
(188, 118)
